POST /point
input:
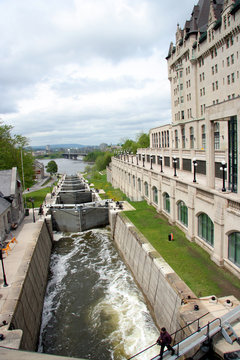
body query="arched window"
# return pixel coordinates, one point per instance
(155, 195)
(139, 184)
(129, 178)
(134, 181)
(206, 228)
(146, 188)
(191, 137)
(234, 248)
(183, 213)
(166, 202)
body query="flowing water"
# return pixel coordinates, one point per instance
(93, 309)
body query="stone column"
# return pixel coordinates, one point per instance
(217, 255)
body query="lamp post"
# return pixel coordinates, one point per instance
(175, 165)
(143, 159)
(32, 201)
(161, 162)
(3, 270)
(194, 169)
(127, 156)
(132, 157)
(224, 169)
(151, 160)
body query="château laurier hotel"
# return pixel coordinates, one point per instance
(191, 172)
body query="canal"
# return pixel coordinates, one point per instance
(93, 308)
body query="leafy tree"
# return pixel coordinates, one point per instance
(143, 140)
(52, 167)
(13, 154)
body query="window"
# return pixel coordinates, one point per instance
(233, 78)
(139, 184)
(166, 202)
(146, 188)
(216, 136)
(206, 228)
(234, 248)
(176, 139)
(133, 181)
(191, 137)
(183, 213)
(183, 137)
(155, 195)
(203, 137)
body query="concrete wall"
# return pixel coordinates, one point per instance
(29, 290)
(74, 197)
(71, 220)
(161, 286)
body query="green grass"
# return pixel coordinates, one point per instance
(188, 260)
(38, 196)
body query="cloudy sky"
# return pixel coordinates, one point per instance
(86, 71)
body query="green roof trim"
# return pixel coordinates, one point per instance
(235, 7)
(218, 23)
(203, 37)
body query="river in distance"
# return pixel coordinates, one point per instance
(93, 308)
(67, 166)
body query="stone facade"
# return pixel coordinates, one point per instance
(191, 170)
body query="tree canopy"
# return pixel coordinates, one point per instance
(142, 141)
(13, 154)
(52, 167)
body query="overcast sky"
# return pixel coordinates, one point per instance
(86, 71)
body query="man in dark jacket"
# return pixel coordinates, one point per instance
(165, 339)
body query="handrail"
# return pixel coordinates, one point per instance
(142, 351)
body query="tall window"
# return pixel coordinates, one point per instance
(134, 181)
(183, 213)
(216, 136)
(234, 248)
(155, 195)
(191, 137)
(176, 139)
(206, 228)
(146, 188)
(166, 202)
(203, 136)
(139, 184)
(183, 137)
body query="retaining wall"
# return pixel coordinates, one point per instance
(29, 290)
(162, 287)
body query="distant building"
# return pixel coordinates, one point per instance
(11, 201)
(191, 171)
(38, 170)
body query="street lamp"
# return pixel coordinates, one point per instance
(3, 270)
(32, 202)
(132, 157)
(224, 169)
(161, 162)
(194, 169)
(175, 165)
(151, 160)
(128, 156)
(143, 159)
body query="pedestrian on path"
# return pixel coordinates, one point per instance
(165, 339)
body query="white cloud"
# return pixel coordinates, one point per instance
(86, 71)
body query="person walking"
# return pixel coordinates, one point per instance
(165, 339)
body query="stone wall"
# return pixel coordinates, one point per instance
(162, 287)
(29, 291)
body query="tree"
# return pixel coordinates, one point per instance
(52, 167)
(13, 154)
(143, 140)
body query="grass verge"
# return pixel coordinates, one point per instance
(38, 196)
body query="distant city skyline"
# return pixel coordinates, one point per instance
(86, 73)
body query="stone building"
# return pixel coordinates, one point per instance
(11, 201)
(191, 171)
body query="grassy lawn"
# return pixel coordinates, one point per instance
(38, 196)
(100, 182)
(188, 260)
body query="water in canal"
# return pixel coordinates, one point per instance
(93, 309)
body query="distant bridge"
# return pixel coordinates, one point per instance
(73, 155)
